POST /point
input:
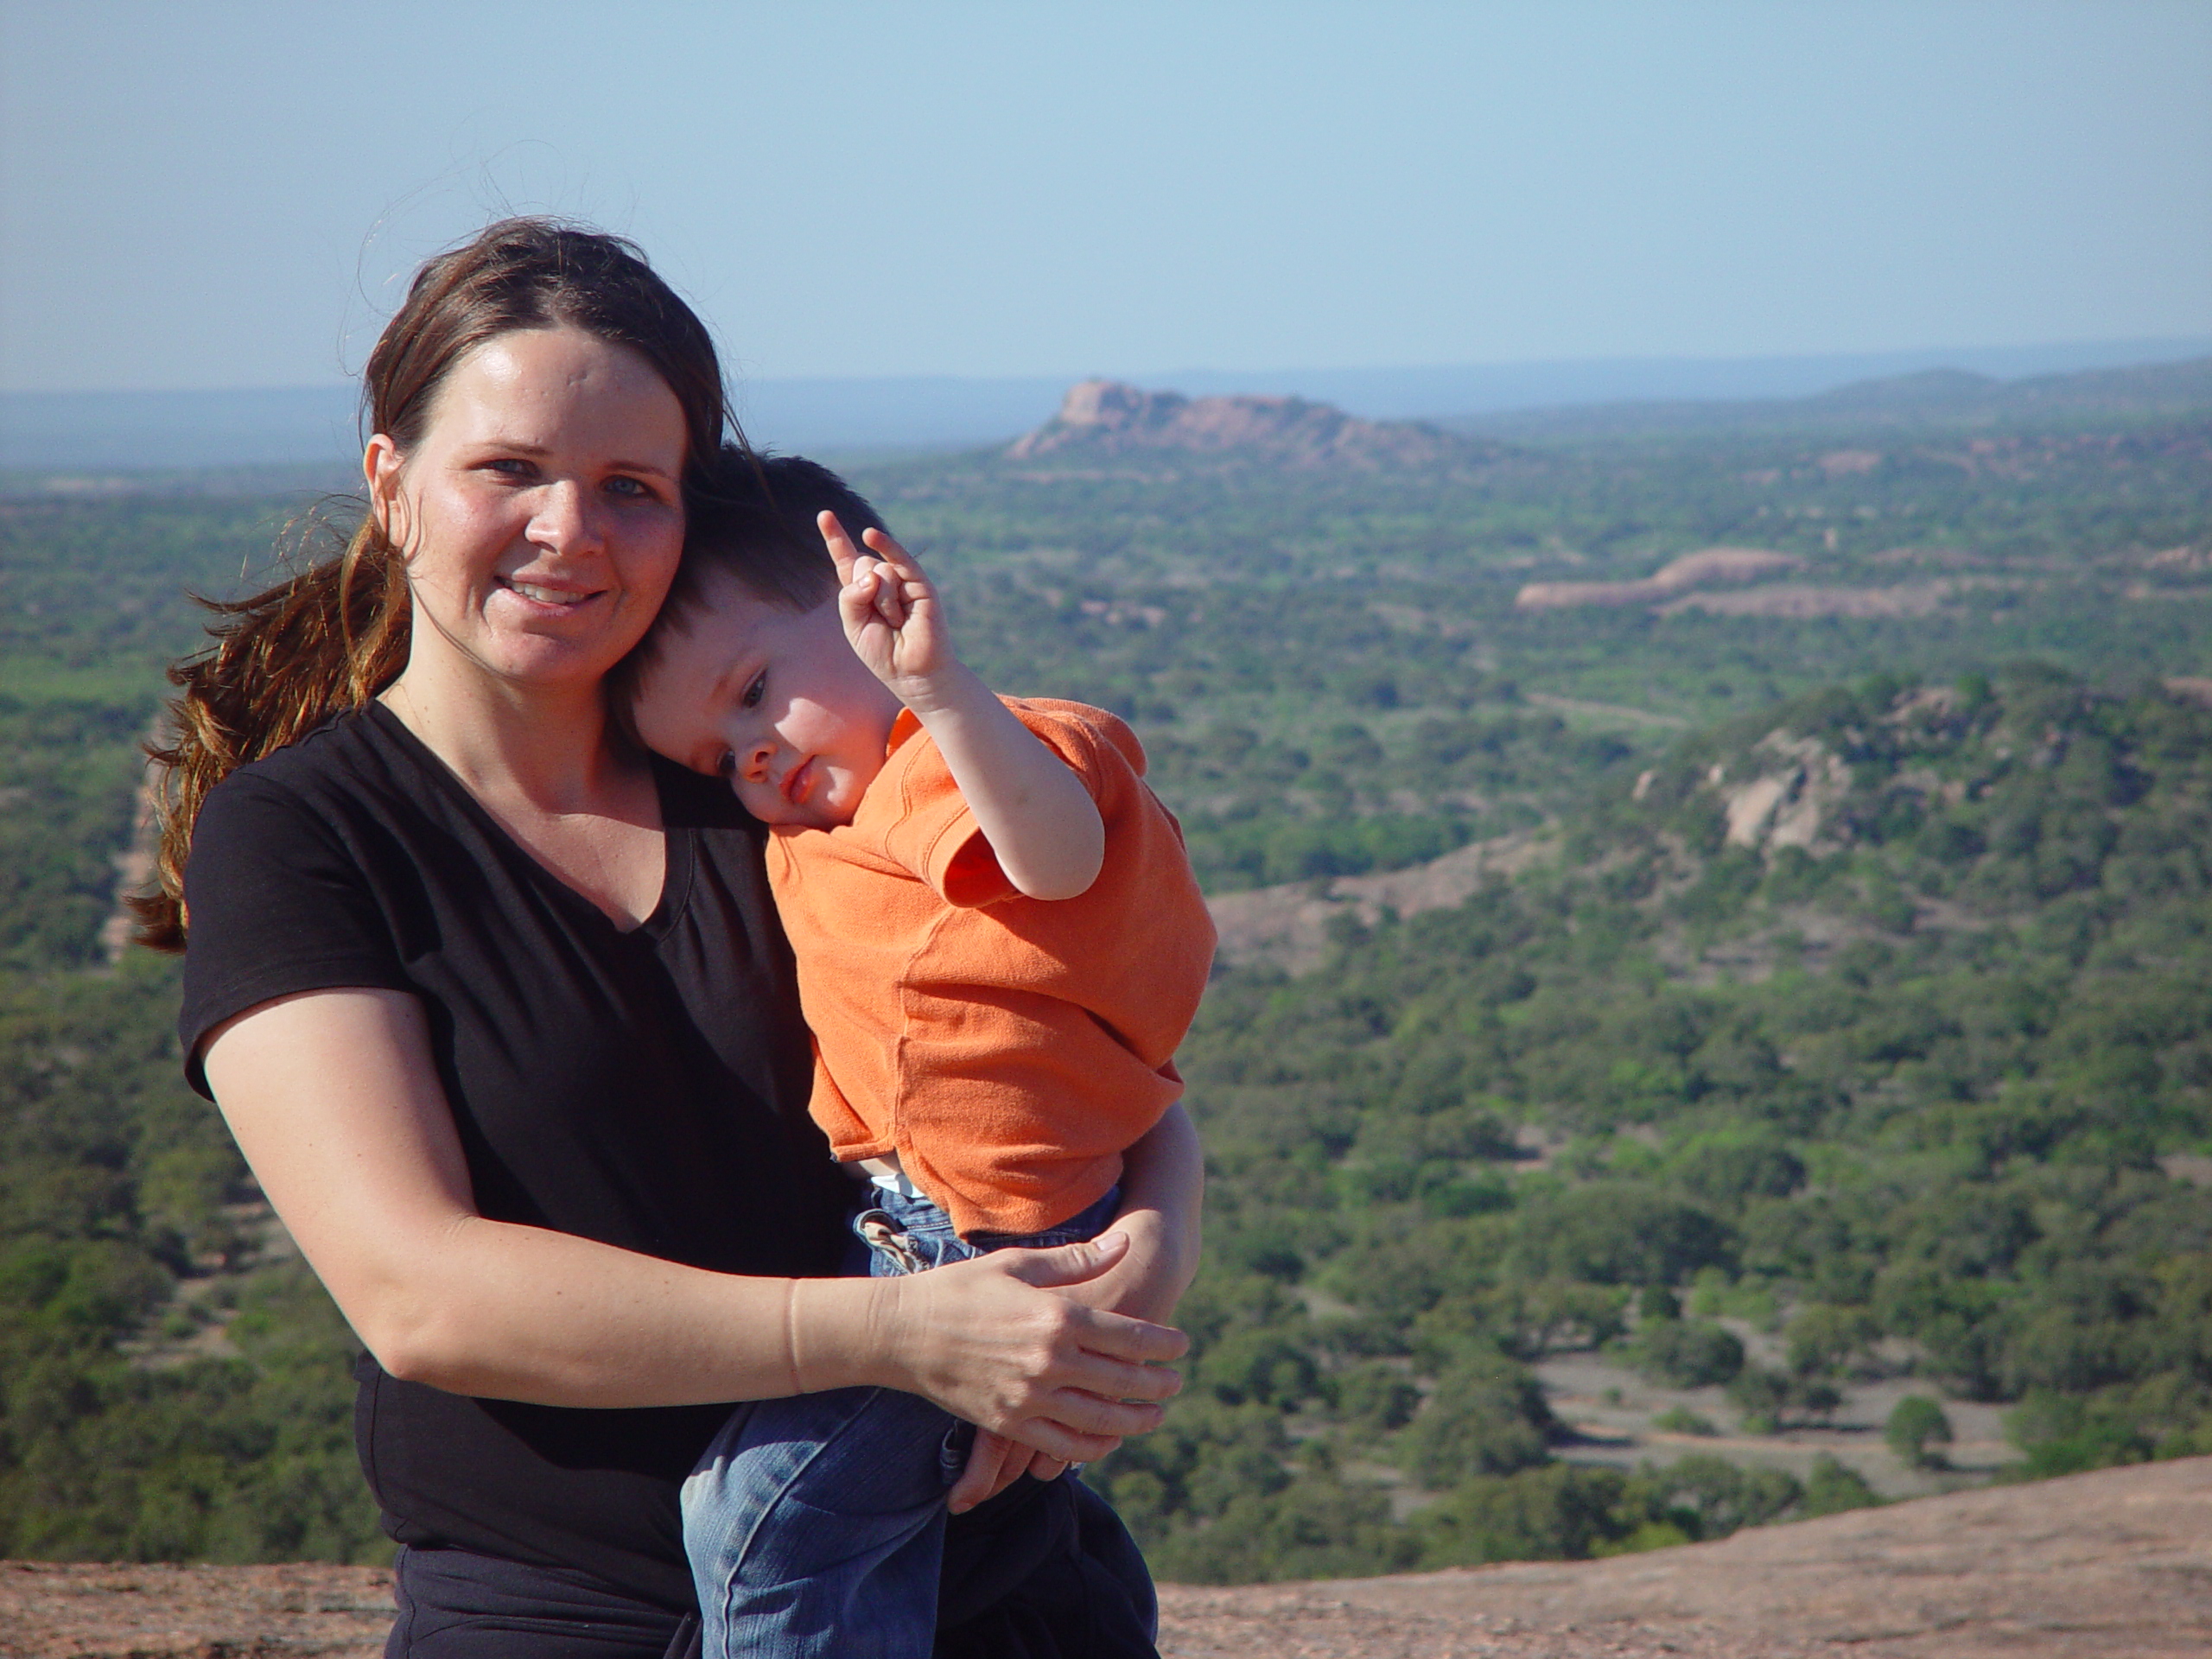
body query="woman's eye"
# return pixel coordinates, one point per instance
(629, 486)
(755, 691)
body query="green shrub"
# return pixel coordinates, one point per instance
(1831, 1487)
(1687, 1353)
(1559, 1511)
(1486, 1417)
(1917, 1426)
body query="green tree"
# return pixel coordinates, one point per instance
(1917, 1428)
(1486, 1417)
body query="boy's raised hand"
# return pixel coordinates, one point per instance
(891, 615)
(1042, 825)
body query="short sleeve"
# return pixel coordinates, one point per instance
(934, 834)
(275, 903)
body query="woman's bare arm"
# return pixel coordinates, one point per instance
(335, 1100)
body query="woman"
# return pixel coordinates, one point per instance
(498, 1012)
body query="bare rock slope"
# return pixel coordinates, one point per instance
(2117, 1562)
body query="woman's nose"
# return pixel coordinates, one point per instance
(564, 521)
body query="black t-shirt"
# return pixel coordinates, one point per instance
(645, 1088)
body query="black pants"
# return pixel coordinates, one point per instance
(1042, 1572)
(455, 1604)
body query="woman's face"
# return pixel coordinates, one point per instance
(540, 514)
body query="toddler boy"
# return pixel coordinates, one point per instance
(1000, 944)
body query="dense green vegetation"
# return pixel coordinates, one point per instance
(1897, 1072)
(1940, 1126)
(118, 1440)
(127, 1234)
(1332, 674)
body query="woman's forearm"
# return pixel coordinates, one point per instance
(518, 1313)
(364, 1163)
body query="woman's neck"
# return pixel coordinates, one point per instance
(547, 750)
(542, 762)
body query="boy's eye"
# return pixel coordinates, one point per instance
(726, 766)
(755, 691)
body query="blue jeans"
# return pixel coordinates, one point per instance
(815, 1525)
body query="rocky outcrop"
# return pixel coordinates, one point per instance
(1106, 420)
(1705, 568)
(1801, 783)
(54, 1609)
(1289, 925)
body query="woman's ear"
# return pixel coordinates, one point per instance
(380, 470)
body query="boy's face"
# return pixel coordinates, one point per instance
(772, 699)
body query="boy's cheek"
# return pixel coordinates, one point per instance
(762, 802)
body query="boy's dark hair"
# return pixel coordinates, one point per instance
(753, 518)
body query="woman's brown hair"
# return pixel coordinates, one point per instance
(332, 636)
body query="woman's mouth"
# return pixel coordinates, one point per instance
(541, 594)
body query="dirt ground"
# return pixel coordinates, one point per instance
(1610, 1411)
(2117, 1562)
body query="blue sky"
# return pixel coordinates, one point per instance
(221, 195)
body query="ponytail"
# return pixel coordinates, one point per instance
(318, 643)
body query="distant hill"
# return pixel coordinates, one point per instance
(1102, 420)
(1948, 396)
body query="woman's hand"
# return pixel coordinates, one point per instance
(987, 1340)
(1163, 1181)
(1146, 1283)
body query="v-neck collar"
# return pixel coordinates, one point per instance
(676, 847)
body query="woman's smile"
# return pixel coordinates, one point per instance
(545, 593)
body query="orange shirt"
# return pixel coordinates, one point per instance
(1007, 1048)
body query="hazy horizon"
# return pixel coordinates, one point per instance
(317, 424)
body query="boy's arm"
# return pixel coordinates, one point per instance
(1043, 826)
(1163, 1191)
